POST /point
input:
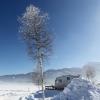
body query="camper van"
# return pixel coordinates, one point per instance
(63, 81)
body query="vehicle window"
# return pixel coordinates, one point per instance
(68, 78)
(60, 81)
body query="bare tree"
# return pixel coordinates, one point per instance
(33, 26)
(89, 72)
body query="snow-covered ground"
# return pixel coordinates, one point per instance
(49, 94)
(23, 91)
(79, 89)
(13, 91)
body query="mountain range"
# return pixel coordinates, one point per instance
(49, 75)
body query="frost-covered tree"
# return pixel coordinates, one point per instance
(33, 27)
(89, 72)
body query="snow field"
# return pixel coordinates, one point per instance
(13, 91)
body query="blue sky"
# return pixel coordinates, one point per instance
(76, 27)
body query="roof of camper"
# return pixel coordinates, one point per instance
(68, 76)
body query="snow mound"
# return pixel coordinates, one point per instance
(38, 95)
(79, 89)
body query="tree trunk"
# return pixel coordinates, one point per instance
(40, 69)
(42, 79)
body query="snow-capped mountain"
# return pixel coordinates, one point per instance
(49, 75)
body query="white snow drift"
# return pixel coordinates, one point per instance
(79, 89)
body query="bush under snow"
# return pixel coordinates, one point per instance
(79, 89)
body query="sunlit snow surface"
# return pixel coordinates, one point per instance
(13, 91)
(24, 91)
(78, 89)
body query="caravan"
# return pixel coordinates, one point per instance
(63, 81)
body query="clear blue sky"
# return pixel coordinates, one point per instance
(75, 23)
